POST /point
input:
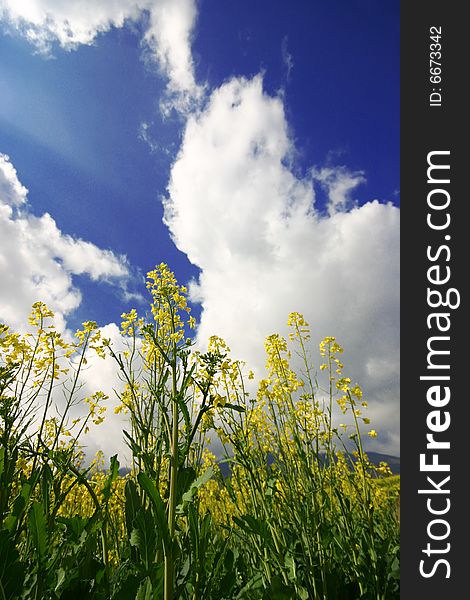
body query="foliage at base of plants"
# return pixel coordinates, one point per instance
(234, 492)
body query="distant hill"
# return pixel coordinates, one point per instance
(375, 457)
(392, 461)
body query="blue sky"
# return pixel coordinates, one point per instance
(129, 111)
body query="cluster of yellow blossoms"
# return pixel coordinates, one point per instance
(289, 416)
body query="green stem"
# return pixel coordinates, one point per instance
(169, 567)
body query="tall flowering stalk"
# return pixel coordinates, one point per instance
(169, 392)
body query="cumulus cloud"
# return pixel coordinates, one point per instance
(168, 30)
(339, 183)
(169, 36)
(241, 214)
(38, 261)
(70, 23)
(103, 375)
(12, 192)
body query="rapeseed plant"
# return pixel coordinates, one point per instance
(288, 507)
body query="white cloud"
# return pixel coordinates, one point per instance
(38, 261)
(69, 23)
(287, 58)
(169, 36)
(103, 375)
(339, 184)
(12, 192)
(238, 211)
(76, 22)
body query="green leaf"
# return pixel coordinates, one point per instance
(46, 483)
(136, 449)
(188, 378)
(186, 476)
(180, 398)
(145, 590)
(113, 473)
(302, 593)
(60, 578)
(279, 590)
(37, 528)
(12, 571)
(133, 504)
(200, 481)
(236, 407)
(290, 565)
(252, 525)
(75, 526)
(229, 579)
(128, 589)
(143, 537)
(19, 503)
(255, 583)
(193, 519)
(159, 507)
(135, 539)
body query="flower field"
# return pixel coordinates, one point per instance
(234, 491)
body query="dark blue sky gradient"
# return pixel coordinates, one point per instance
(71, 124)
(342, 96)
